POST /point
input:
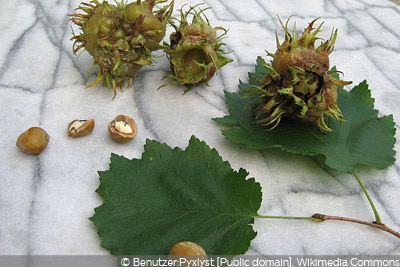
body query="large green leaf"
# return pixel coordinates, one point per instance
(173, 195)
(363, 140)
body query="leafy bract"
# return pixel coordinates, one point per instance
(364, 139)
(172, 195)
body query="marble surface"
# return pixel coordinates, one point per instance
(46, 200)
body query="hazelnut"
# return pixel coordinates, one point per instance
(122, 129)
(33, 141)
(187, 248)
(78, 128)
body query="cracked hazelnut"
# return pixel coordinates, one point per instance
(33, 141)
(187, 248)
(122, 129)
(78, 128)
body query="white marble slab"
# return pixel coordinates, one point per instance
(45, 200)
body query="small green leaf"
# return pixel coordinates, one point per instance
(363, 140)
(173, 195)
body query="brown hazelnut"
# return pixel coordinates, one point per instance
(33, 141)
(78, 128)
(122, 129)
(187, 248)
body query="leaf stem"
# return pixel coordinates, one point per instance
(318, 217)
(375, 224)
(378, 219)
(289, 218)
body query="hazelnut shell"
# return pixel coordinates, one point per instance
(119, 135)
(33, 141)
(85, 127)
(187, 248)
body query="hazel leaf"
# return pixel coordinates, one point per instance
(363, 140)
(172, 195)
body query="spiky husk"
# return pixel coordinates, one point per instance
(195, 52)
(299, 83)
(120, 37)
